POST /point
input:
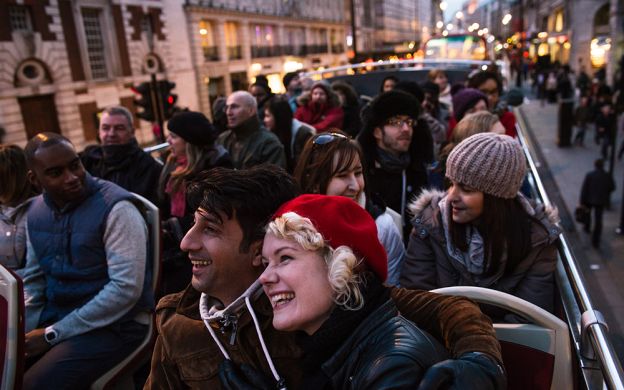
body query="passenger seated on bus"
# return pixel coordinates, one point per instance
(292, 133)
(119, 158)
(86, 242)
(397, 148)
(247, 140)
(483, 232)
(322, 109)
(466, 101)
(324, 273)
(388, 83)
(16, 195)
(225, 245)
(331, 164)
(491, 85)
(439, 77)
(351, 106)
(471, 124)
(192, 150)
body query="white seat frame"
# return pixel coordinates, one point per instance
(10, 289)
(547, 333)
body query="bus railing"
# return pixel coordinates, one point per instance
(399, 64)
(599, 365)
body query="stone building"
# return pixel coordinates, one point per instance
(234, 41)
(63, 61)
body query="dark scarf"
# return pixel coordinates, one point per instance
(246, 128)
(119, 156)
(391, 163)
(320, 346)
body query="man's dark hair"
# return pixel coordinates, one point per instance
(599, 164)
(42, 140)
(251, 195)
(477, 79)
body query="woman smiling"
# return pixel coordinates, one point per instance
(324, 273)
(482, 232)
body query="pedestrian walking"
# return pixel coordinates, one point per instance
(581, 117)
(605, 128)
(566, 107)
(597, 187)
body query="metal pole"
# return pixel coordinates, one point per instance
(157, 106)
(354, 32)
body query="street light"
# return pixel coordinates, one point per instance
(440, 24)
(449, 26)
(506, 19)
(459, 15)
(443, 5)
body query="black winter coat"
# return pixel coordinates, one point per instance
(127, 165)
(597, 186)
(385, 351)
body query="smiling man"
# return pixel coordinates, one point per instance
(86, 269)
(224, 246)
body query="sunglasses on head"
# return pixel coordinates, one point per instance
(325, 138)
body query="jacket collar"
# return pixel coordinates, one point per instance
(247, 128)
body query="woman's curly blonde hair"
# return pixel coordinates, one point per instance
(341, 262)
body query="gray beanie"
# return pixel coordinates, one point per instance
(488, 162)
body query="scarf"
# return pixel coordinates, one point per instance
(391, 163)
(120, 155)
(178, 198)
(474, 259)
(341, 324)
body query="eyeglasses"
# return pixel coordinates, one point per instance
(397, 122)
(326, 138)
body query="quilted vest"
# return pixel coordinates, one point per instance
(69, 246)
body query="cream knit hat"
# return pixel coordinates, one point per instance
(488, 162)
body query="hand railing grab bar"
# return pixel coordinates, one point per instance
(577, 303)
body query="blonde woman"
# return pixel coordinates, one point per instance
(324, 273)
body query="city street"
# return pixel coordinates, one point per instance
(563, 171)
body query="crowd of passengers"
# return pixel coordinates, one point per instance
(346, 212)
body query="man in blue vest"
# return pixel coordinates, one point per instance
(86, 249)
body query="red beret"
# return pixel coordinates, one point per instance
(341, 221)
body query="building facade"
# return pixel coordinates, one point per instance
(235, 41)
(63, 61)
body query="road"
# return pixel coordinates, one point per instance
(565, 169)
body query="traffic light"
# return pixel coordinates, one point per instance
(145, 102)
(169, 99)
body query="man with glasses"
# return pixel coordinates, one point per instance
(119, 158)
(395, 148)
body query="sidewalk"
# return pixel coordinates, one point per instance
(603, 269)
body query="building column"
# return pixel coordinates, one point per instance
(221, 44)
(616, 21)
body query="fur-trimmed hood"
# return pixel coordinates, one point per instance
(425, 214)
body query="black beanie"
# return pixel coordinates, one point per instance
(390, 104)
(193, 127)
(288, 78)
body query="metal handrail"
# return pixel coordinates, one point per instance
(612, 372)
(401, 63)
(156, 148)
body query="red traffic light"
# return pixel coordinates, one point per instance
(170, 99)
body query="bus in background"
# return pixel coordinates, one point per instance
(457, 47)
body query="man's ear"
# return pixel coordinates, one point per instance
(378, 133)
(256, 250)
(32, 178)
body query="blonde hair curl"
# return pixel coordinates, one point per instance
(341, 262)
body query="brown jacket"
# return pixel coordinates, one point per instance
(185, 356)
(428, 265)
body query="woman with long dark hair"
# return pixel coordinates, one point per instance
(292, 133)
(482, 232)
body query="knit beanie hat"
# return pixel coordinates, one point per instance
(488, 162)
(193, 127)
(465, 99)
(341, 221)
(387, 105)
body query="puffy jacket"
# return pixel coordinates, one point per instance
(385, 351)
(428, 265)
(320, 116)
(13, 233)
